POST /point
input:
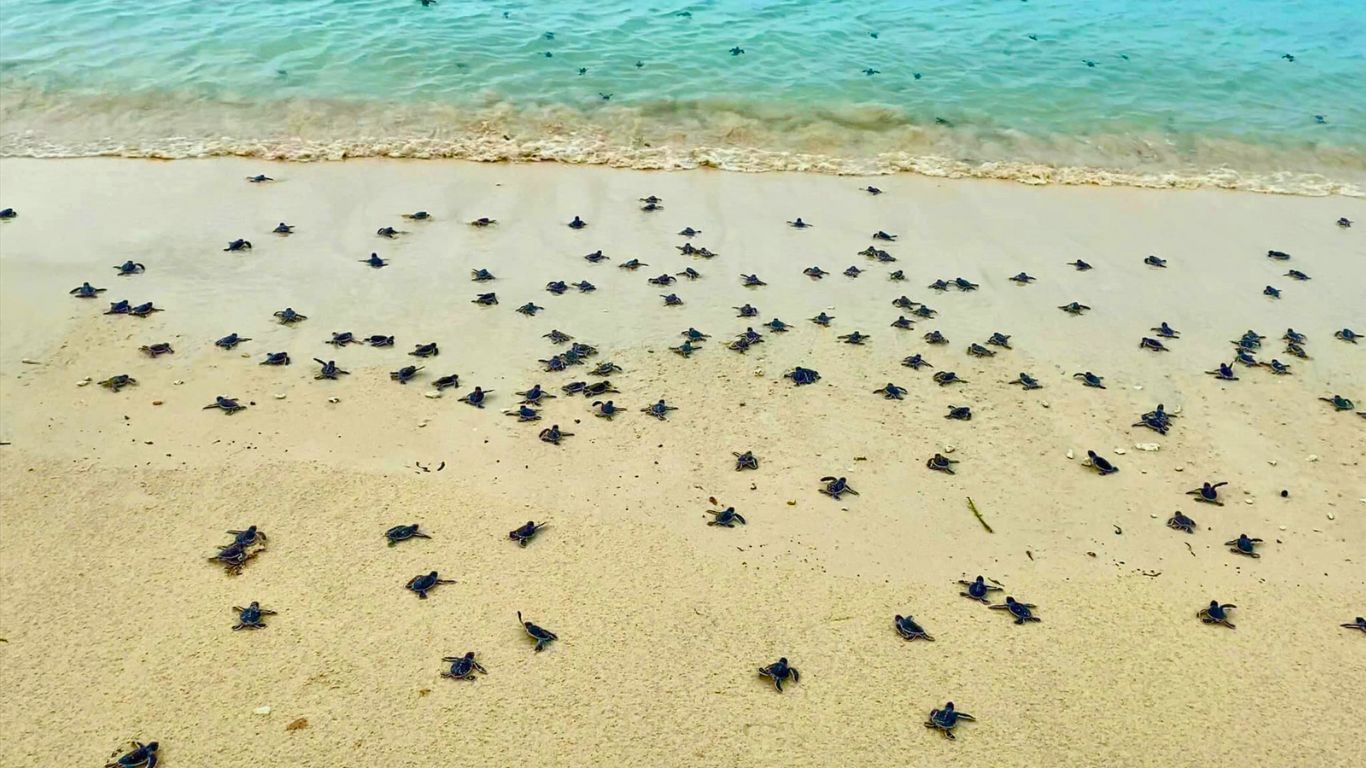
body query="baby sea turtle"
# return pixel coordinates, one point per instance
(891, 392)
(959, 413)
(425, 350)
(557, 287)
(871, 190)
(596, 257)
(1291, 348)
(389, 232)
(403, 533)
(924, 311)
(118, 382)
(751, 281)
(141, 755)
(725, 518)
(963, 284)
(740, 345)
(606, 409)
(153, 350)
(690, 273)
(447, 382)
(903, 323)
(539, 634)
(251, 616)
(1166, 331)
(577, 223)
(599, 388)
(801, 376)
(1152, 420)
(288, 316)
(276, 358)
(916, 362)
(779, 671)
(1216, 613)
(557, 336)
(746, 460)
(746, 311)
(689, 232)
(605, 369)
(476, 398)
(1101, 464)
(1074, 308)
(463, 667)
(1243, 545)
(1294, 336)
(799, 224)
(1026, 381)
(777, 326)
(283, 229)
(130, 268)
(523, 534)
(226, 404)
(342, 338)
(941, 463)
(938, 285)
(651, 207)
(87, 291)
(584, 286)
(234, 556)
(405, 374)
(632, 265)
(835, 486)
(534, 395)
(978, 589)
(815, 273)
(1021, 611)
(1090, 379)
(1179, 522)
(907, 627)
(977, 350)
(1023, 279)
(418, 216)
(553, 435)
(935, 337)
(1153, 344)
(671, 300)
(854, 338)
(823, 319)
(1360, 622)
(1208, 493)
(1000, 340)
(424, 583)
(1297, 275)
(259, 178)
(659, 410)
(1339, 403)
(1274, 293)
(239, 245)
(945, 378)
(8, 213)
(1080, 265)
(485, 299)
(685, 349)
(1223, 372)
(946, 719)
(329, 370)
(1347, 334)
(1154, 261)
(481, 275)
(884, 236)
(529, 309)
(484, 221)
(852, 271)
(1277, 367)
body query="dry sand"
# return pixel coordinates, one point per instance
(115, 627)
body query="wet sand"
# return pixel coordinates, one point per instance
(117, 628)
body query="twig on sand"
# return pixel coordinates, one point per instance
(973, 507)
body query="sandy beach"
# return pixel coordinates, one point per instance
(115, 627)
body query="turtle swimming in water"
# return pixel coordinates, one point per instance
(978, 589)
(1021, 611)
(87, 291)
(1216, 613)
(1339, 403)
(477, 397)
(1100, 464)
(153, 350)
(426, 582)
(725, 518)
(523, 534)
(405, 374)
(1026, 381)
(553, 435)
(226, 404)
(1179, 522)
(801, 376)
(780, 671)
(659, 410)
(1208, 493)
(539, 634)
(403, 533)
(891, 392)
(288, 316)
(130, 268)
(941, 463)
(463, 667)
(329, 370)
(836, 486)
(907, 627)
(250, 617)
(118, 382)
(746, 460)
(1090, 379)
(1244, 545)
(1074, 308)
(945, 378)
(141, 755)
(946, 719)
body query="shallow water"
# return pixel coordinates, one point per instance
(1157, 93)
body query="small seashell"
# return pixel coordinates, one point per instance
(949, 448)
(1312, 457)
(1179, 468)
(1120, 451)
(1069, 453)
(792, 502)
(1044, 403)
(434, 394)
(1272, 462)
(297, 724)
(27, 361)
(1332, 516)
(83, 382)
(758, 371)
(1247, 501)
(334, 400)
(157, 402)
(1138, 387)
(1148, 446)
(1282, 527)
(178, 382)
(279, 395)
(1153, 516)
(262, 710)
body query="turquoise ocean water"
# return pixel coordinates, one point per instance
(1157, 92)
